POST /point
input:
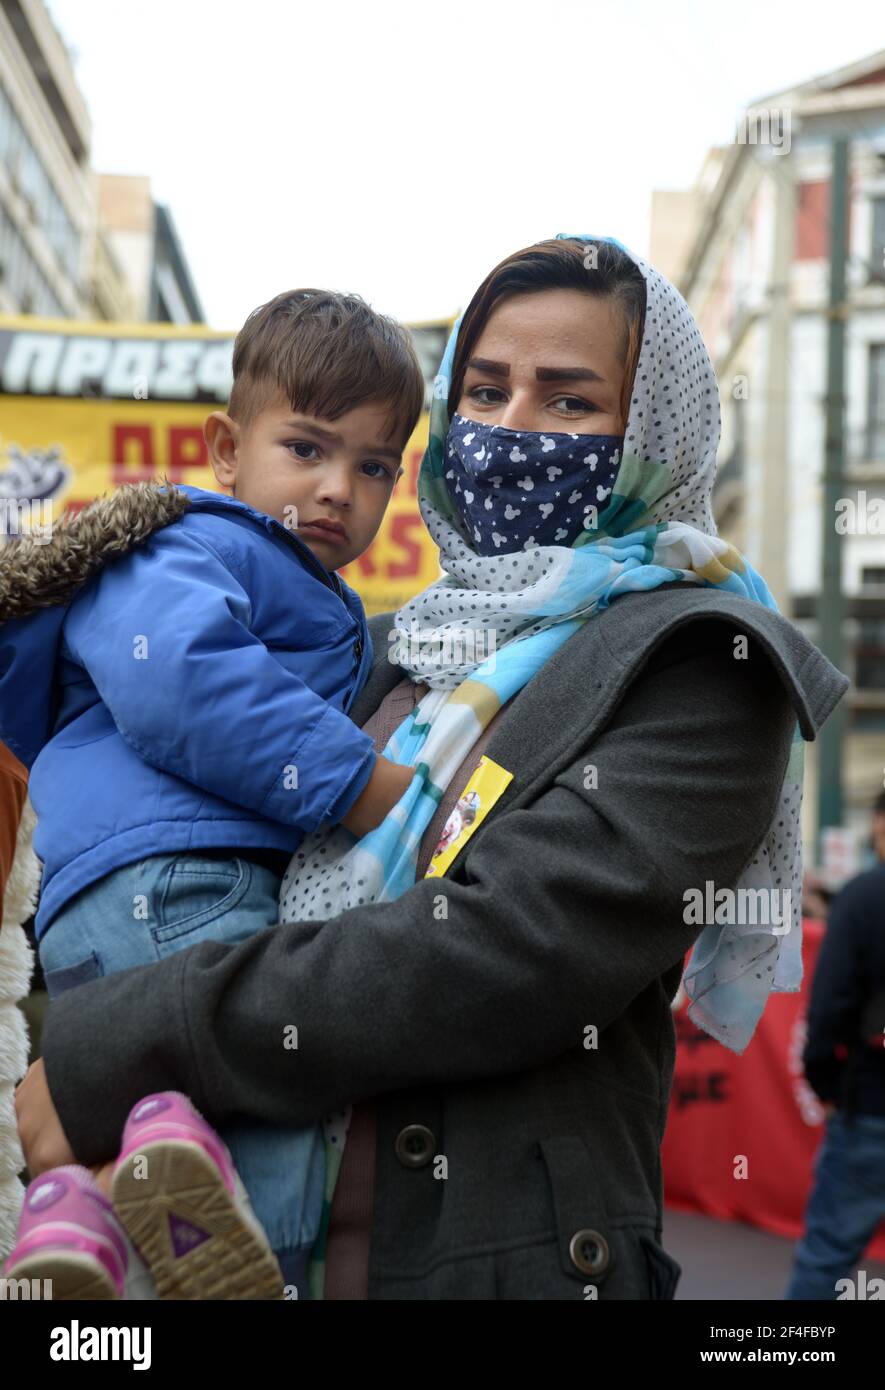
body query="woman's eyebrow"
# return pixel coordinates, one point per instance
(568, 374)
(485, 364)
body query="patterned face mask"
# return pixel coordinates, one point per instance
(516, 489)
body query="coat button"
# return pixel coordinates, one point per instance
(589, 1252)
(415, 1146)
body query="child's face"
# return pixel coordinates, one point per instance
(301, 469)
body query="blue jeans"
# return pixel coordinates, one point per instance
(148, 910)
(847, 1203)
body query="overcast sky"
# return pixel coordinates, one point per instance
(401, 149)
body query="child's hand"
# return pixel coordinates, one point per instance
(401, 780)
(43, 1140)
(387, 784)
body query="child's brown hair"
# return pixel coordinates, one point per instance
(327, 353)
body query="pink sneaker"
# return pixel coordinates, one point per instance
(68, 1235)
(184, 1207)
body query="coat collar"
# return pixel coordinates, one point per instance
(37, 572)
(606, 653)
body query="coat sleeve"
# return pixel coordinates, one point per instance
(837, 995)
(565, 910)
(166, 639)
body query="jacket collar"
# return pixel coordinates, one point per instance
(45, 573)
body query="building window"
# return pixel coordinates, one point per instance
(22, 278)
(876, 403)
(5, 126)
(872, 577)
(870, 654)
(34, 185)
(812, 220)
(812, 238)
(877, 254)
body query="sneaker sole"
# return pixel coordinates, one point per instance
(73, 1274)
(187, 1227)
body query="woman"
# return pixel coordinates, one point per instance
(505, 1029)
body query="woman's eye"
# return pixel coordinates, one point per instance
(573, 405)
(479, 393)
(297, 444)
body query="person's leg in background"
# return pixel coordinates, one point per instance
(846, 1204)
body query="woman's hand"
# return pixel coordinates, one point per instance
(43, 1140)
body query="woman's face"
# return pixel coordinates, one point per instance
(548, 361)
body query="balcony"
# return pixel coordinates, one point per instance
(865, 452)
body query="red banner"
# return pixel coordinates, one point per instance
(742, 1132)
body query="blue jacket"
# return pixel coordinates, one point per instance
(189, 693)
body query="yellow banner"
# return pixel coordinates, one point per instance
(85, 408)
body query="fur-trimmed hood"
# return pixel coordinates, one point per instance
(45, 572)
(41, 577)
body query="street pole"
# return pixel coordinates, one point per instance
(831, 615)
(775, 477)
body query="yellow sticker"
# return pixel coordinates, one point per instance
(487, 783)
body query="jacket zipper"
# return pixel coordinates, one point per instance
(335, 585)
(327, 575)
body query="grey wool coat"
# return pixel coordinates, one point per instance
(565, 909)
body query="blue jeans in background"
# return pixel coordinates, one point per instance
(846, 1204)
(149, 910)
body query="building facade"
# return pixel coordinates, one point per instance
(749, 248)
(47, 197)
(73, 244)
(142, 237)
